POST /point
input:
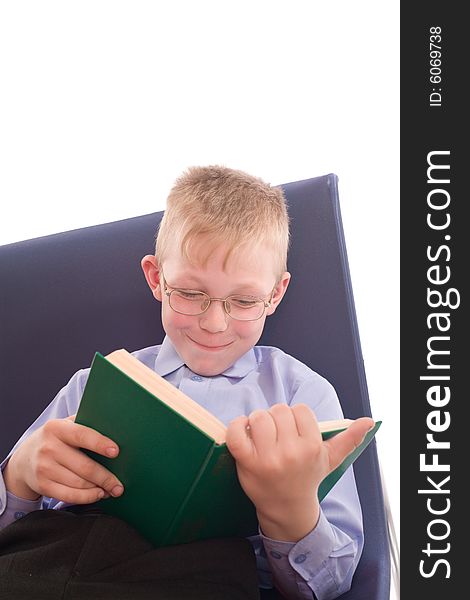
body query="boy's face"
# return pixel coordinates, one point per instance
(212, 342)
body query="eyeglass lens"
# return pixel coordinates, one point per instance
(242, 308)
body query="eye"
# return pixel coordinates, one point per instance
(244, 301)
(190, 295)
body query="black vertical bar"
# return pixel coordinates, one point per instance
(434, 272)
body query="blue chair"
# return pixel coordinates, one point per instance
(64, 296)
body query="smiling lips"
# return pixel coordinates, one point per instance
(211, 348)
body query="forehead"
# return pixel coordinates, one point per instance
(252, 264)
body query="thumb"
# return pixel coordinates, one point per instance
(342, 444)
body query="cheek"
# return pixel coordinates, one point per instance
(249, 330)
(173, 320)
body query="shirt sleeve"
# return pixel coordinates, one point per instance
(322, 564)
(64, 404)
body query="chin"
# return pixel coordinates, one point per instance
(208, 366)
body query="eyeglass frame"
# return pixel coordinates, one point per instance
(266, 303)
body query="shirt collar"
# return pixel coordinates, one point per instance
(242, 366)
(168, 360)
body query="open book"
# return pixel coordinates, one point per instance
(180, 480)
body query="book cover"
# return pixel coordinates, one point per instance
(335, 475)
(180, 484)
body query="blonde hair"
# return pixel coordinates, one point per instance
(218, 205)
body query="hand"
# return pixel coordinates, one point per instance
(50, 463)
(282, 459)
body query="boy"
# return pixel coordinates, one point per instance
(219, 270)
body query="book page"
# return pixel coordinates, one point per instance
(168, 394)
(182, 403)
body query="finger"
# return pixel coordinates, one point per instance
(285, 422)
(86, 468)
(71, 418)
(71, 495)
(64, 476)
(306, 422)
(263, 431)
(81, 436)
(342, 444)
(238, 438)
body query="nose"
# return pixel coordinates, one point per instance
(215, 318)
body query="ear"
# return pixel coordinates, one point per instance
(152, 275)
(279, 291)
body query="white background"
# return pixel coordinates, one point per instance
(104, 103)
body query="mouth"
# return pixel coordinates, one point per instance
(210, 347)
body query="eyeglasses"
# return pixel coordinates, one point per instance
(193, 303)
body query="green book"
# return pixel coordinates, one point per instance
(180, 480)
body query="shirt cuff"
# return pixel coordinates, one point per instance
(306, 561)
(13, 508)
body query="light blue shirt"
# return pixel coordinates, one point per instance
(324, 561)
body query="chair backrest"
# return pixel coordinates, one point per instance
(64, 296)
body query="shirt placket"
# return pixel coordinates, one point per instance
(195, 386)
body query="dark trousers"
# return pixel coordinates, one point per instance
(53, 554)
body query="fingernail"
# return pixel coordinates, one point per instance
(117, 490)
(111, 451)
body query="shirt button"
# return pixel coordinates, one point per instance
(196, 378)
(19, 514)
(300, 559)
(275, 554)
